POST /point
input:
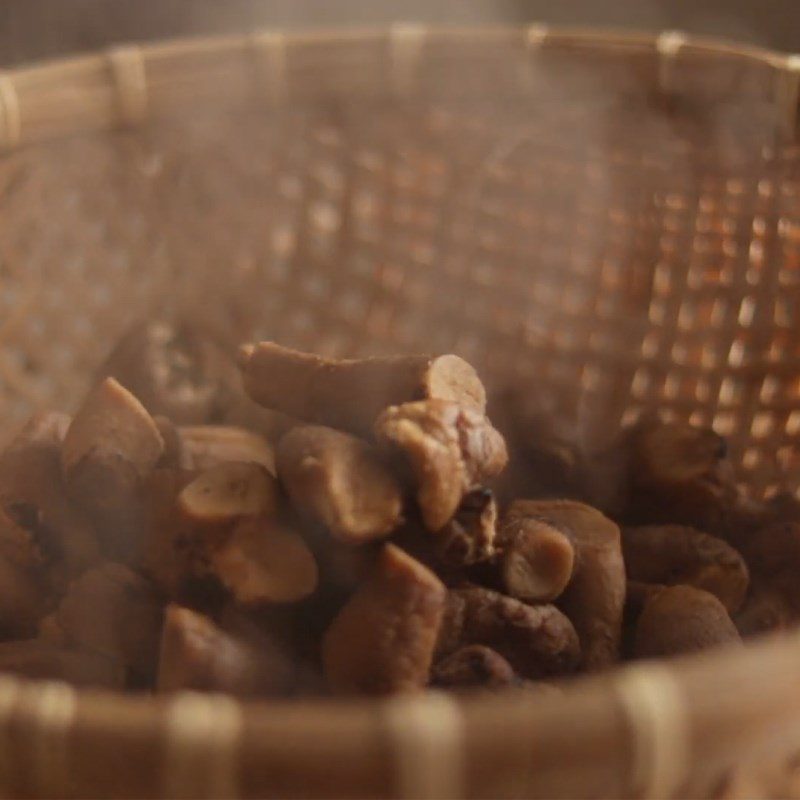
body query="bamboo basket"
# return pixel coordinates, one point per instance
(612, 220)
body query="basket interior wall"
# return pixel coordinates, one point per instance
(603, 248)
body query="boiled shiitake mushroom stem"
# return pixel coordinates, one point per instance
(473, 667)
(682, 619)
(537, 641)
(196, 654)
(349, 394)
(382, 640)
(114, 612)
(264, 561)
(594, 598)
(451, 450)
(223, 526)
(678, 554)
(220, 496)
(34, 496)
(109, 450)
(176, 370)
(676, 473)
(23, 584)
(341, 482)
(536, 559)
(206, 446)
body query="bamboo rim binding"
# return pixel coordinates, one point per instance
(428, 741)
(131, 82)
(10, 122)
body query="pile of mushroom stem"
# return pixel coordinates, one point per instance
(282, 524)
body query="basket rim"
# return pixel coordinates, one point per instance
(648, 726)
(101, 90)
(598, 37)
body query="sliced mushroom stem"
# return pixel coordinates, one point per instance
(349, 394)
(382, 640)
(175, 369)
(595, 596)
(116, 613)
(537, 641)
(473, 667)
(677, 473)
(451, 450)
(536, 560)
(197, 654)
(264, 561)
(23, 586)
(221, 496)
(341, 482)
(673, 554)
(765, 609)
(111, 447)
(33, 495)
(682, 619)
(206, 446)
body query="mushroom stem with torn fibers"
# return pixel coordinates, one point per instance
(349, 394)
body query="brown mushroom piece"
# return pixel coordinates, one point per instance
(469, 537)
(114, 612)
(196, 654)
(218, 534)
(451, 450)
(536, 559)
(110, 448)
(175, 553)
(219, 497)
(33, 495)
(537, 641)
(40, 659)
(350, 394)
(205, 446)
(175, 369)
(24, 594)
(264, 561)
(595, 595)
(178, 370)
(382, 640)
(682, 619)
(670, 554)
(341, 482)
(473, 667)
(677, 473)
(773, 555)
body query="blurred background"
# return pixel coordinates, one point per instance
(32, 29)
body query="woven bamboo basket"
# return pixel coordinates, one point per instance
(612, 220)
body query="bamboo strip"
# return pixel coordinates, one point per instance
(77, 95)
(515, 744)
